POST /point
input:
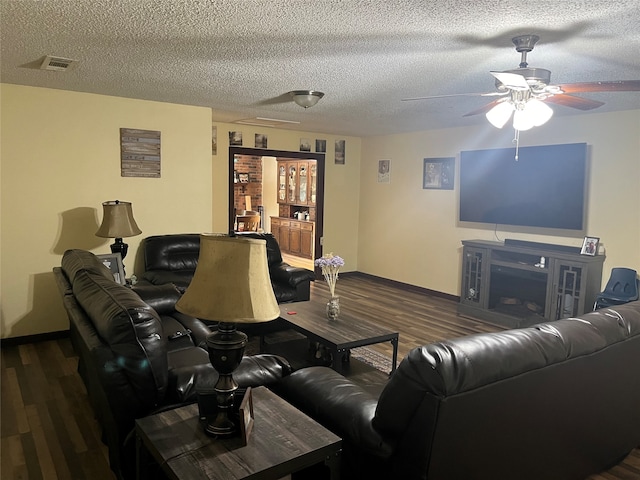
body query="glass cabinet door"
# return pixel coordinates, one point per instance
(291, 185)
(312, 182)
(282, 183)
(302, 188)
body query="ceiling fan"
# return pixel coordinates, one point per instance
(525, 91)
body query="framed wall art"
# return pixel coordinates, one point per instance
(139, 153)
(340, 152)
(305, 145)
(438, 173)
(384, 171)
(235, 139)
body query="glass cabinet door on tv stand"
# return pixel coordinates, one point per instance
(474, 277)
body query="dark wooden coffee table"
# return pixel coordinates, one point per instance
(283, 440)
(352, 329)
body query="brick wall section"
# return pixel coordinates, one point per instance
(252, 166)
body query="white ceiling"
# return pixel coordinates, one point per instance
(236, 55)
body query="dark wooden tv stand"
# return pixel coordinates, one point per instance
(512, 285)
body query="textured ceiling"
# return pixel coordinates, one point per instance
(240, 56)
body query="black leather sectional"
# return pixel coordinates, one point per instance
(555, 401)
(137, 354)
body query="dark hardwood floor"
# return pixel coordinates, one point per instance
(48, 430)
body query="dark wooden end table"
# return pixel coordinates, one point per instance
(352, 329)
(283, 440)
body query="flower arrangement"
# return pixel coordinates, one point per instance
(330, 265)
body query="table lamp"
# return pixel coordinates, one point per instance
(231, 285)
(118, 222)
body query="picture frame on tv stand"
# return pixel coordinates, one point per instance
(590, 246)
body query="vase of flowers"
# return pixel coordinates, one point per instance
(330, 265)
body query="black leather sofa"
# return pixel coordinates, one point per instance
(137, 354)
(558, 400)
(173, 259)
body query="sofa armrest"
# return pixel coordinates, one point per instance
(285, 273)
(181, 279)
(162, 298)
(338, 404)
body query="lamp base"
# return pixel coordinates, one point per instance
(120, 247)
(226, 348)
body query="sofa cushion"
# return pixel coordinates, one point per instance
(131, 328)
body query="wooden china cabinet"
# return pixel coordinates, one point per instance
(294, 226)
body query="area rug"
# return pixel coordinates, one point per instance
(372, 358)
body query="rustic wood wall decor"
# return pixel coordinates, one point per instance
(139, 153)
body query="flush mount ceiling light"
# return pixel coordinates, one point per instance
(306, 98)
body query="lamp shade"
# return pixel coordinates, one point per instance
(231, 283)
(118, 221)
(306, 98)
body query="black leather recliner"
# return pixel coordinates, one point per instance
(173, 259)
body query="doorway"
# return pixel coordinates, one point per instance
(258, 194)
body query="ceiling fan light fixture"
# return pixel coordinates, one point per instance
(522, 121)
(499, 115)
(306, 98)
(538, 111)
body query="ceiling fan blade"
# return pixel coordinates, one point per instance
(511, 80)
(574, 102)
(483, 109)
(489, 94)
(613, 86)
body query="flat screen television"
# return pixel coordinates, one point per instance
(545, 187)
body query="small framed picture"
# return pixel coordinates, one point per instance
(245, 415)
(243, 177)
(261, 140)
(340, 152)
(113, 261)
(438, 173)
(384, 171)
(305, 145)
(590, 246)
(235, 138)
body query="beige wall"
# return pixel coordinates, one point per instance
(60, 159)
(412, 235)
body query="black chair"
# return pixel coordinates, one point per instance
(622, 287)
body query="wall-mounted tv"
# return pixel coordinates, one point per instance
(545, 187)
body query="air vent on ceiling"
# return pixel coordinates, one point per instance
(58, 64)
